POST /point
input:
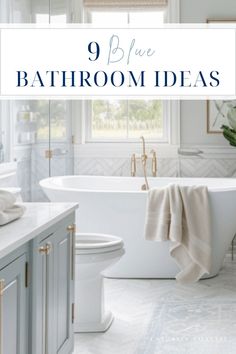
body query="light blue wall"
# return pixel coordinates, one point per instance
(196, 11)
(193, 113)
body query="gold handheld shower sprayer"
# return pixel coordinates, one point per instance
(144, 159)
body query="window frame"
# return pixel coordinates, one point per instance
(87, 106)
(87, 148)
(87, 112)
(87, 18)
(123, 149)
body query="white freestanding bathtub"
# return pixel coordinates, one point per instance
(116, 205)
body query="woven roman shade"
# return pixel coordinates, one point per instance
(125, 3)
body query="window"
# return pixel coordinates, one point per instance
(126, 120)
(124, 18)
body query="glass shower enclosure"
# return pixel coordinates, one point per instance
(37, 134)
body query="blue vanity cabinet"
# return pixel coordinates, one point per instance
(37, 281)
(64, 287)
(53, 289)
(14, 303)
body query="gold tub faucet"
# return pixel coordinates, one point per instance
(154, 163)
(144, 157)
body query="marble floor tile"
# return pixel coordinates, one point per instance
(163, 317)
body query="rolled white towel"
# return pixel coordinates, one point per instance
(11, 214)
(7, 200)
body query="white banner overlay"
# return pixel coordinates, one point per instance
(73, 62)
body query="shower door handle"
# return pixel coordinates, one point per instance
(48, 154)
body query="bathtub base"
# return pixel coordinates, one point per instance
(114, 273)
(157, 278)
(96, 326)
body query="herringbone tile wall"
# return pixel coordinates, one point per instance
(32, 166)
(121, 167)
(184, 167)
(200, 167)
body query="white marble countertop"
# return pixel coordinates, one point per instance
(37, 218)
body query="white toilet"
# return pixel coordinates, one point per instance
(94, 253)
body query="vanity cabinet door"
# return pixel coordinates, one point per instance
(14, 307)
(53, 291)
(42, 298)
(64, 290)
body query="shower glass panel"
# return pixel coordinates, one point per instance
(37, 135)
(40, 165)
(4, 11)
(28, 122)
(61, 161)
(15, 11)
(52, 152)
(4, 133)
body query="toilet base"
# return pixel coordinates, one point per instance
(95, 327)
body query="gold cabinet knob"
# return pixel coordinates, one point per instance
(45, 249)
(71, 228)
(2, 286)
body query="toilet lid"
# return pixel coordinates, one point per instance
(97, 243)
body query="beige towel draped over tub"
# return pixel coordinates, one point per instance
(181, 214)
